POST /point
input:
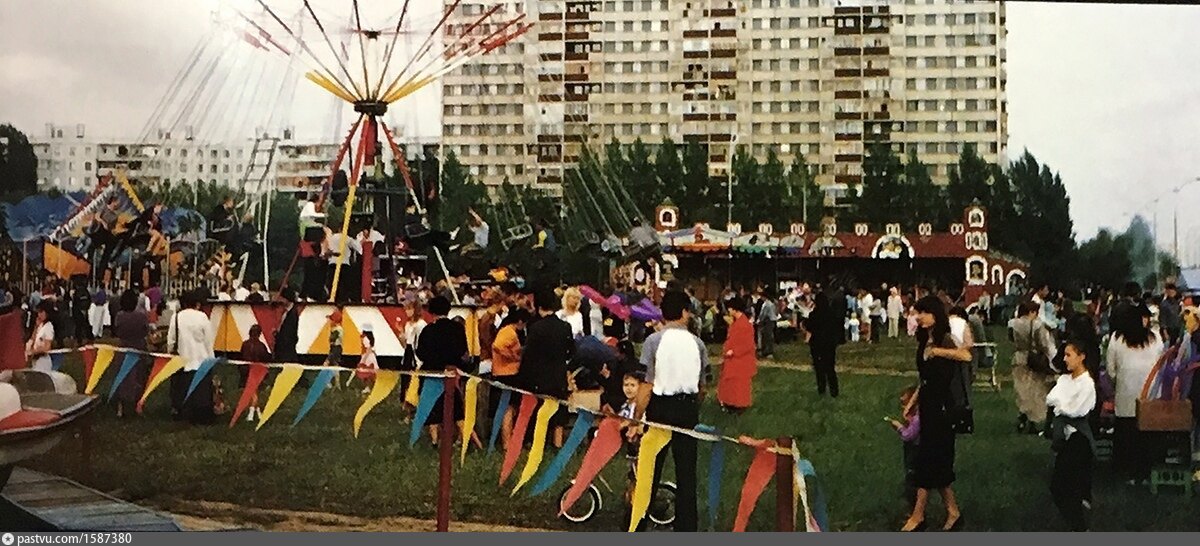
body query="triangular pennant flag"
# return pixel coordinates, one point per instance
(816, 494)
(540, 427)
(324, 378)
(104, 357)
(56, 361)
(800, 496)
(385, 382)
(284, 383)
(498, 419)
(131, 360)
(430, 392)
(512, 450)
(163, 369)
(89, 362)
(470, 401)
(604, 447)
(716, 466)
(254, 378)
(757, 478)
(206, 366)
(583, 424)
(653, 442)
(412, 395)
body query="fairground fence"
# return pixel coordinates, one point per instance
(798, 491)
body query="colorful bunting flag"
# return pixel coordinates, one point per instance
(163, 369)
(583, 424)
(498, 419)
(56, 361)
(89, 362)
(412, 395)
(716, 466)
(471, 400)
(318, 387)
(254, 378)
(201, 373)
(604, 447)
(816, 496)
(131, 360)
(538, 449)
(512, 450)
(653, 442)
(385, 382)
(104, 357)
(430, 392)
(284, 383)
(757, 478)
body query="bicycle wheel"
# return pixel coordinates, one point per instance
(662, 506)
(585, 508)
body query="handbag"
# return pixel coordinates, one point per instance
(1037, 361)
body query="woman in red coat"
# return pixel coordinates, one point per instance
(740, 365)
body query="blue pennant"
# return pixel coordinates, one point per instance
(131, 360)
(716, 465)
(431, 390)
(501, 409)
(206, 366)
(314, 392)
(56, 361)
(583, 424)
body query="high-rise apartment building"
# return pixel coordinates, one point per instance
(822, 78)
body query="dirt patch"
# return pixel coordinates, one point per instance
(217, 516)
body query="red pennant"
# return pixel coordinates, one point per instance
(253, 380)
(89, 360)
(396, 318)
(516, 442)
(159, 362)
(269, 317)
(605, 446)
(12, 347)
(757, 478)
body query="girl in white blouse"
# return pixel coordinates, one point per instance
(1072, 399)
(1132, 352)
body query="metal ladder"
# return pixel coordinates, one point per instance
(259, 168)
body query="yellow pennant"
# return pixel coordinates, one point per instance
(412, 396)
(284, 383)
(104, 357)
(548, 409)
(470, 402)
(385, 383)
(170, 368)
(652, 443)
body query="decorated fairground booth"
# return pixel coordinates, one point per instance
(959, 260)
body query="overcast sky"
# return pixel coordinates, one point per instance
(1107, 95)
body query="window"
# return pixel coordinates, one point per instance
(910, 41)
(87, 165)
(972, 127)
(951, 83)
(931, 84)
(930, 126)
(951, 41)
(929, 40)
(951, 127)
(930, 20)
(969, 19)
(970, 62)
(951, 19)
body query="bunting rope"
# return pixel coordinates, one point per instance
(107, 353)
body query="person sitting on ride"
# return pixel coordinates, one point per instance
(220, 221)
(480, 233)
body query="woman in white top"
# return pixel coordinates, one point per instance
(191, 337)
(1073, 398)
(1133, 351)
(895, 308)
(572, 299)
(39, 344)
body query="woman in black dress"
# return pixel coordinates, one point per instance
(938, 359)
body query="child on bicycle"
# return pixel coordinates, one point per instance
(631, 384)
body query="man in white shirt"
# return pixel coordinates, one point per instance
(676, 364)
(190, 336)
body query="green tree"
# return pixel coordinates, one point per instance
(1104, 260)
(696, 203)
(920, 199)
(970, 181)
(1042, 209)
(745, 180)
(459, 192)
(18, 165)
(668, 170)
(878, 203)
(804, 200)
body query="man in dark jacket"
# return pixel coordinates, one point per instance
(549, 347)
(442, 345)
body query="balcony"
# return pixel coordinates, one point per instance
(551, 56)
(695, 34)
(847, 51)
(577, 56)
(576, 36)
(578, 15)
(875, 72)
(724, 75)
(723, 33)
(549, 139)
(848, 179)
(848, 136)
(847, 115)
(695, 117)
(550, 98)
(549, 36)
(723, 12)
(877, 50)
(846, 72)
(849, 94)
(550, 17)
(877, 30)
(549, 179)
(724, 53)
(576, 97)
(577, 77)
(848, 158)
(695, 54)
(550, 77)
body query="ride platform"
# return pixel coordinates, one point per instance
(34, 501)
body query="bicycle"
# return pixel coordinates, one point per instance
(660, 512)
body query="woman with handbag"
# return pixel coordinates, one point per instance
(940, 363)
(1033, 351)
(1133, 350)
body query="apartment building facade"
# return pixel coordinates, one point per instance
(822, 78)
(71, 160)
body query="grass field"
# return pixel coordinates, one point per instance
(319, 466)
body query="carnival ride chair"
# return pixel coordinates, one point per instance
(984, 358)
(516, 234)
